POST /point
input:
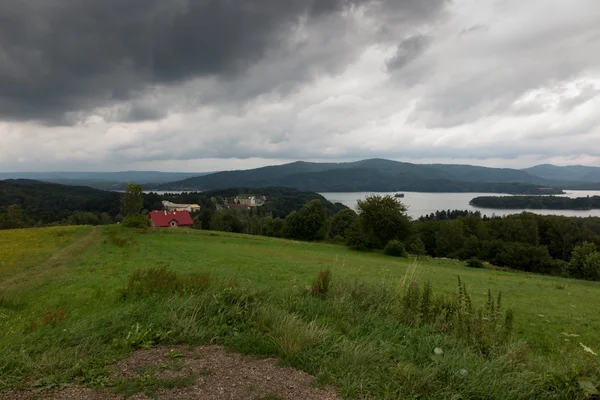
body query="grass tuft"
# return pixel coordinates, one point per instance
(320, 286)
(156, 282)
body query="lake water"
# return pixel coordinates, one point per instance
(426, 203)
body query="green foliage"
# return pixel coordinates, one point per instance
(83, 218)
(226, 222)
(449, 237)
(13, 218)
(132, 200)
(356, 239)
(204, 219)
(136, 221)
(537, 202)
(320, 286)
(475, 263)
(395, 248)
(383, 218)
(41, 203)
(341, 222)
(585, 262)
(307, 224)
(417, 247)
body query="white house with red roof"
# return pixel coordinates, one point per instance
(171, 219)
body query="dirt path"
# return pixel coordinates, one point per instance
(181, 373)
(53, 266)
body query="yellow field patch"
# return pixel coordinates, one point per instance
(23, 248)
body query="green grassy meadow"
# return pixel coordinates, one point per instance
(70, 322)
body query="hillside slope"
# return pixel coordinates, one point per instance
(369, 175)
(571, 173)
(50, 202)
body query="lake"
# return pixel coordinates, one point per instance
(426, 203)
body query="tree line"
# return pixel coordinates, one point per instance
(556, 245)
(537, 202)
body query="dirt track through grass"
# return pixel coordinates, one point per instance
(51, 267)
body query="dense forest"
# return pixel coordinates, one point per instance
(375, 175)
(40, 203)
(26, 203)
(537, 202)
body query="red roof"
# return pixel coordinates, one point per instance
(164, 218)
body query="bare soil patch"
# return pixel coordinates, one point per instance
(182, 373)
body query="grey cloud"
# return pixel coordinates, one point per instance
(474, 29)
(69, 56)
(408, 50)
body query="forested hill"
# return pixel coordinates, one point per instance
(569, 173)
(537, 202)
(280, 201)
(101, 180)
(45, 203)
(370, 175)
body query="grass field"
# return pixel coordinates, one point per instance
(71, 321)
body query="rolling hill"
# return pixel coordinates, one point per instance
(570, 173)
(370, 175)
(101, 180)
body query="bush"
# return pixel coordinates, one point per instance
(136, 221)
(395, 248)
(474, 263)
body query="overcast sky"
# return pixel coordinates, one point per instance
(203, 85)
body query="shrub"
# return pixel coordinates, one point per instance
(136, 221)
(474, 263)
(585, 262)
(417, 247)
(320, 286)
(395, 248)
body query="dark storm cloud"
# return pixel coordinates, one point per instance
(73, 55)
(408, 50)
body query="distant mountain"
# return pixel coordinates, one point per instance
(102, 180)
(569, 173)
(370, 175)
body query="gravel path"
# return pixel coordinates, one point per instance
(208, 373)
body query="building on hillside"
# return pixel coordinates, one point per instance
(239, 206)
(168, 206)
(249, 200)
(171, 219)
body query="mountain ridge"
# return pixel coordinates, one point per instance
(374, 174)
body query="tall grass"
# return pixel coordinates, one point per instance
(369, 341)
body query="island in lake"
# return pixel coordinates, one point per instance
(537, 202)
